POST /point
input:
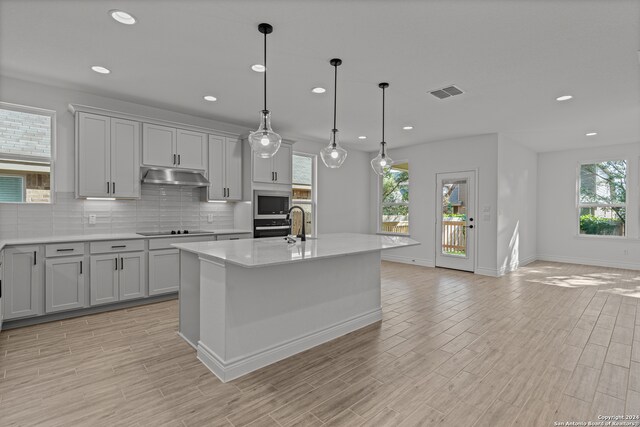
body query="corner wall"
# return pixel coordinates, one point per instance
(517, 201)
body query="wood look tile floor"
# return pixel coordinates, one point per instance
(550, 342)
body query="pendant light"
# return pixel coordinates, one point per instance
(333, 155)
(264, 141)
(382, 162)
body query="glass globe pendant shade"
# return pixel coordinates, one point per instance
(333, 156)
(264, 141)
(381, 163)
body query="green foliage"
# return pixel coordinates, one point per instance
(394, 186)
(591, 224)
(605, 183)
(460, 216)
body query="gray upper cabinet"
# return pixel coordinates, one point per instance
(225, 168)
(23, 282)
(108, 156)
(64, 284)
(166, 146)
(274, 170)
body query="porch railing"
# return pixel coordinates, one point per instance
(454, 238)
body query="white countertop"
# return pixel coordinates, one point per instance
(99, 237)
(274, 251)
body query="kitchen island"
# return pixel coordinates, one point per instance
(245, 304)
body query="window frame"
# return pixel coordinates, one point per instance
(314, 191)
(580, 205)
(35, 159)
(381, 203)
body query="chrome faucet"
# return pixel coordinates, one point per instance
(303, 235)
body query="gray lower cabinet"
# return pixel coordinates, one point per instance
(117, 277)
(23, 282)
(164, 271)
(64, 284)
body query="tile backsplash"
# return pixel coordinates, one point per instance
(161, 208)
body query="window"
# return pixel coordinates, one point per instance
(395, 199)
(602, 198)
(26, 147)
(303, 193)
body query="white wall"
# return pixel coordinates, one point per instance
(425, 161)
(343, 197)
(517, 183)
(558, 238)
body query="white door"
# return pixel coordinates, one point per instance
(191, 150)
(94, 138)
(64, 284)
(216, 167)
(125, 158)
(23, 285)
(104, 278)
(131, 275)
(233, 168)
(262, 169)
(282, 164)
(455, 220)
(164, 271)
(158, 145)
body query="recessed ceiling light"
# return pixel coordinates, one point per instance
(407, 127)
(362, 137)
(318, 90)
(100, 69)
(122, 17)
(210, 98)
(258, 68)
(591, 134)
(564, 98)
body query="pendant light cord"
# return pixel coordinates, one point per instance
(383, 143)
(335, 95)
(265, 71)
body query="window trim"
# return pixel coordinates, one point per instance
(314, 190)
(381, 204)
(52, 160)
(581, 205)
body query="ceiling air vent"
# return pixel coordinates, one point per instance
(446, 92)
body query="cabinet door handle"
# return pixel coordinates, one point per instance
(121, 263)
(80, 267)
(35, 257)
(113, 188)
(108, 187)
(116, 260)
(178, 158)
(276, 176)
(174, 159)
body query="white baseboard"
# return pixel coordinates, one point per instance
(238, 367)
(408, 260)
(514, 265)
(491, 272)
(188, 342)
(590, 261)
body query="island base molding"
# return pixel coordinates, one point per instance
(234, 369)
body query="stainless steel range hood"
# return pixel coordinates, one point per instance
(174, 177)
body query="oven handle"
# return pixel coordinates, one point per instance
(275, 227)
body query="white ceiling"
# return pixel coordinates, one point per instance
(513, 58)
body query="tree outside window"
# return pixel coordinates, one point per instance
(602, 200)
(395, 199)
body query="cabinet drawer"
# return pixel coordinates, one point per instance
(64, 249)
(233, 236)
(165, 243)
(111, 246)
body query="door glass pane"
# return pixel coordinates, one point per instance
(454, 217)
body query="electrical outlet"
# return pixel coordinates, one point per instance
(210, 218)
(92, 219)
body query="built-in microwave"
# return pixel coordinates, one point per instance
(271, 204)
